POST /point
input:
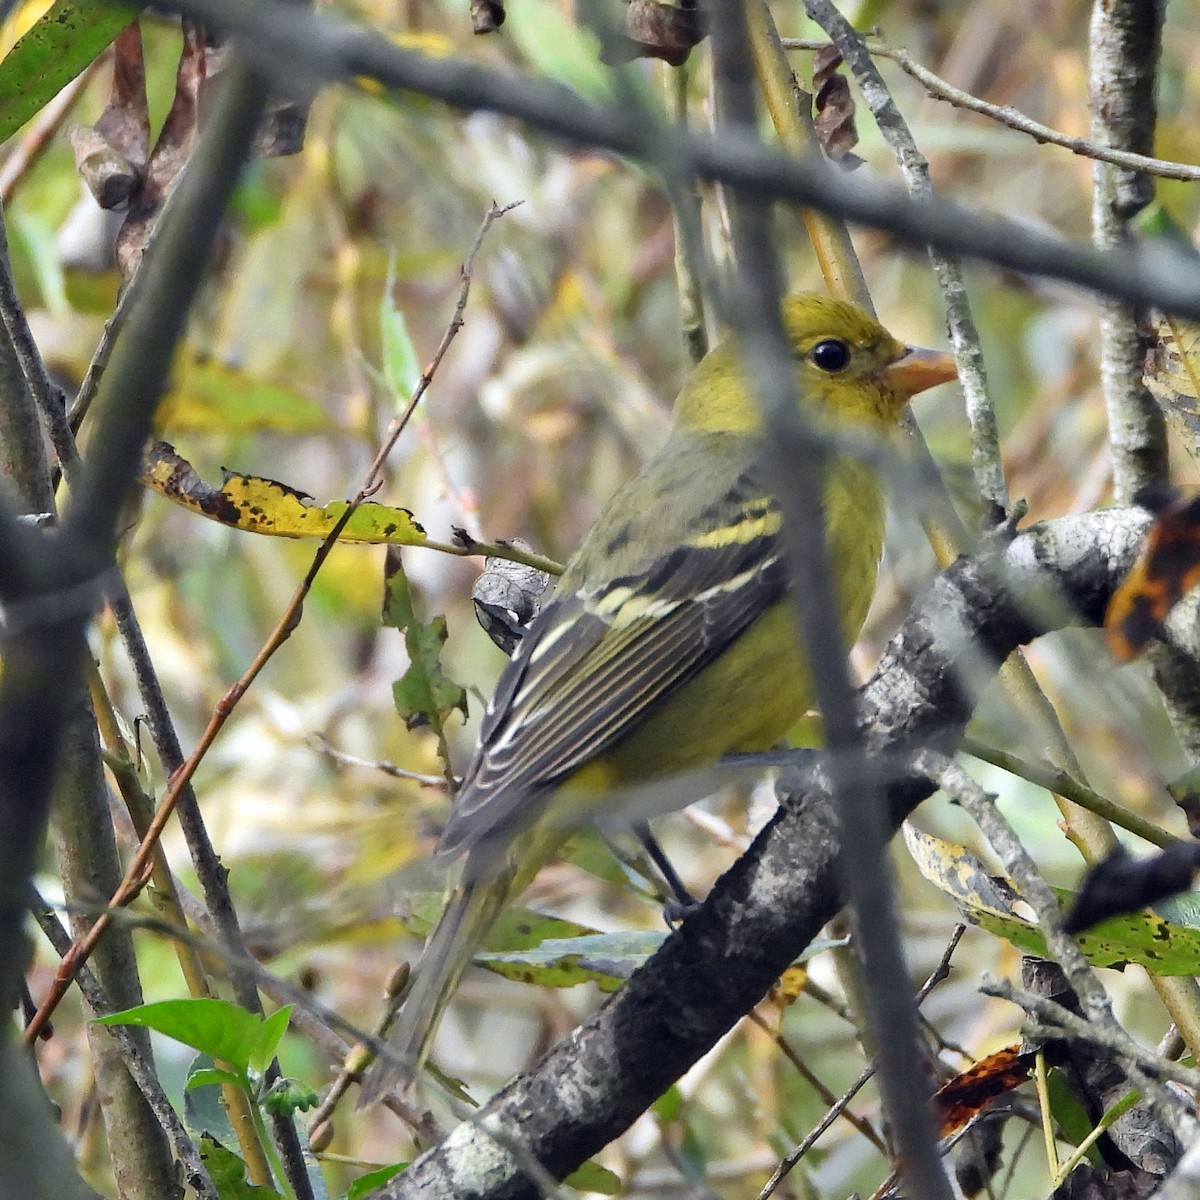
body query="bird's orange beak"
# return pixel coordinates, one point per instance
(918, 369)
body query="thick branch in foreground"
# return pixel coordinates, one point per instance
(764, 911)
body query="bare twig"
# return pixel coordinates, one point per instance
(964, 336)
(787, 1164)
(961, 788)
(1004, 114)
(855, 784)
(809, 1076)
(1124, 45)
(319, 743)
(1069, 788)
(1057, 1020)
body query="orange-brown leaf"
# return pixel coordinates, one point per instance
(970, 1093)
(1166, 570)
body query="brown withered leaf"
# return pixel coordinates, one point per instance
(487, 15)
(281, 130)
(111, 155)
(125, 122)
(1167, 568)
(656, 30)
(110, 176)
(171, 151)
(507, 596)
(834, 109)
(968, 1094)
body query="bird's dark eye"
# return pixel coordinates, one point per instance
(831, 355)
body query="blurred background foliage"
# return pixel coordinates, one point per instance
(557, 386)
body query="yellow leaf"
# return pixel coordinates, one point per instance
(268, 507)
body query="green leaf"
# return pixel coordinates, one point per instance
(592, 1177)
(606, 959)
(669, 1105)
(270, 1034)
(424, 694)
(212, 1076)
(373, 1179)
(60, 45)
(515, 929)
(214, 1027)
(228, 1174)
(401, 366)
(269, 507)
(588, 850)
(993, 903)
(1070, 1116)
(289, 1097)
(203, 1105)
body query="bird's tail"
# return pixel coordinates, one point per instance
(469, 913)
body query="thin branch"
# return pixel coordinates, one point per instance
(1004, 114)
(960, 321)
(797, 470)
(322, 746)
(1062, 784)
(49, 399)
(963, 790)
(810, 1077)
(788, 1163)
(1057, 1020)
(1124, 45)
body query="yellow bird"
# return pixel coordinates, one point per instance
(670, 641)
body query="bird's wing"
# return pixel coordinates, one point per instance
(603, 653)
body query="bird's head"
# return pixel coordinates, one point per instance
(848, 369)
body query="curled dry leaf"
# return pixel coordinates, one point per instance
(111, 155)
(170, 154)
(487, 15)
(281, 131)
(834, 109)
(110, 176)
(969, 1093)
(656, 30)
